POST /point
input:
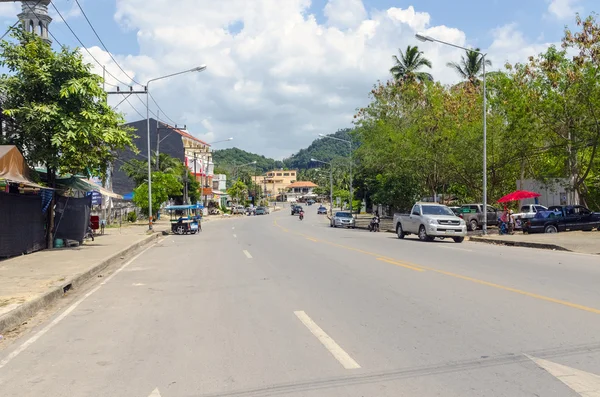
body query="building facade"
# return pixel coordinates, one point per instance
(275, 182)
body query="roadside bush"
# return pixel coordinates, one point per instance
(132, 217)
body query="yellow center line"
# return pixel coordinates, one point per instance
(421, 268)
(312, 239)
(417, 269)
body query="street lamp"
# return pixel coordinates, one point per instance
(330, 184)
(224, 140)
(197, 69)
(424, 38)
(350, 143)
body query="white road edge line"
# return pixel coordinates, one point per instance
(64, 314)
(456, 248)
(247, 254)
(235, 236)
(335, 349)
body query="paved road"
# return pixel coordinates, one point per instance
(271, 306)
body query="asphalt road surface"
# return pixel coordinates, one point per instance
(273, 306)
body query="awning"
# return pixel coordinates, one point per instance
(13, 167)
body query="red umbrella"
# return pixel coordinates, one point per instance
(518, 195)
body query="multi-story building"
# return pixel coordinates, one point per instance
(275, 182)
(175, 142)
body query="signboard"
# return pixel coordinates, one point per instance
(96, 197)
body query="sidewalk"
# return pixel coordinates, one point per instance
(582, 242)
(28, 283)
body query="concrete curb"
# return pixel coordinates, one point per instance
(518, 243)
(28, 309)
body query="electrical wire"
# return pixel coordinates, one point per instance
(134, 108)
(84, 47)
(16, 23)
(103, 45)
(116, 63)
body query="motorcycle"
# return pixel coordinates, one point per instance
(374, 224)
(301, 216)
(89, 233)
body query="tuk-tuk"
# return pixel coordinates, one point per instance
(185, 219)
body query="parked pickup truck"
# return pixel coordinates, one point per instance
(528, 211)
(473, 215)
(559, 218)
(430, 220)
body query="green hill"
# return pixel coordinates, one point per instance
(323, 149)
(229, 158)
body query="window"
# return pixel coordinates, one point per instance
(293, 174)
(286, 174)
(437, 210)
(279, 174)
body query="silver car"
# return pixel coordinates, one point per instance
(343, 219)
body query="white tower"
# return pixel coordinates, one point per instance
(34, 16)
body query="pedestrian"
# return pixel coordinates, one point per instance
(511, 222)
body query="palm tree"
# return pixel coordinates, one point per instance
(406, 67)
(470, 67)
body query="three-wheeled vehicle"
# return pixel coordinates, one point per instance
(185, 219)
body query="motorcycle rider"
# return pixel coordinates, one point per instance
(374, 225)
(301, 214)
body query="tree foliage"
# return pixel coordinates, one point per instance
(470, 67)
(164, 186)
(229, 159)
(421, 138)
(406, 68)
(238, 191)
(58, 110)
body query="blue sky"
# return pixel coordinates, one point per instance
(275, 78)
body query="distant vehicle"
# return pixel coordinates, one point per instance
(251, 210)
(261, 211)
(343, 219)
(473, 215)
(310, 202)
(321, 211)
(238, 209)
(456, 210)
(560, 218)
(430, 220)
(296, 209)
(528, 211)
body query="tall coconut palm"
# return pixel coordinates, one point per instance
(407, 66)
(470, 68)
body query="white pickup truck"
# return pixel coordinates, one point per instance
(528, 211)
(430, 220)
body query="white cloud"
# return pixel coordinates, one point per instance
(563, 9)
(345, 13)
(283, 78)
(9, 10)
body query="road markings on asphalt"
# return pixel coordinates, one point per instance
(466, 278)
(233, 228)
(137, 284)
(335, 349)
(235, 236)
(247, 254)
(583, 383)
(68, 311)
(155, 393)
(402, 264)
(516, 291)
(312, 239)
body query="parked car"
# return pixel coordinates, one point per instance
(238, 209)
(260, 211)
(321, 211)
(430, 220)
(560, 218)
(310, 202)
(473, 215)
(296, 209)
(528, 211)
(343, 219)
(456, 210)
(251, 210)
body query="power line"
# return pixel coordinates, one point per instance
(49, 32)
(16, 23)
(84, 47)
(162, 111)
(103, 45)
(134, 108)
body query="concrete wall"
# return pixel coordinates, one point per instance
(553, 192)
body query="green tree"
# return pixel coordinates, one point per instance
(407, 66)
(164, 186)
(470, 67)
(58, 108)
(238, 191)
(137, 170)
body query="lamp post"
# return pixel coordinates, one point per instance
(423, 37)
(349, 143)
(197, 69)
(330, 185)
